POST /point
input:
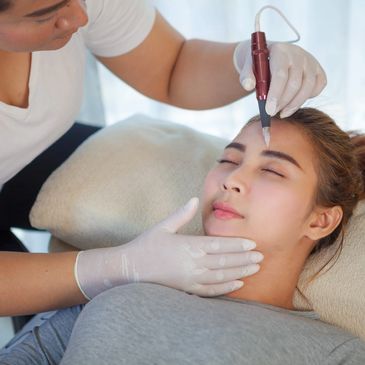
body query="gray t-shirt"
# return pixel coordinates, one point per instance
(152, 324)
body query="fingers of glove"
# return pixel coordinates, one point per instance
(199, 246)
(224, 275)
(216, 289)
(211, 244)
(242, 61)
(247, 77)
(240, 54)
(321, 82)
(213, 262)
(179, 218)
(278, 82)
(303, 94)
(292, 88)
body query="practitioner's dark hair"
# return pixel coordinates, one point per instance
(5, 4)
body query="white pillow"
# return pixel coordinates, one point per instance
(124, 180)
(129, 176)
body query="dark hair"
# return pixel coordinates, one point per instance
(5, 5)
(341, 167)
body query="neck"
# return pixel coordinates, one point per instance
(14, 78)
(276, 281)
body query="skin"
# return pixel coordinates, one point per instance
(274, 201)
(23, 31)
(186, 65)
(193, 74)
(42, 282)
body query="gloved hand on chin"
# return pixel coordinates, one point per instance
(202, 265)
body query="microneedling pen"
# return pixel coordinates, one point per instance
(260, 63)
(261, 68)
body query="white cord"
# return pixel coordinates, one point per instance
(257, 21)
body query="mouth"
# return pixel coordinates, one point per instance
(224, 211)
(67, 35)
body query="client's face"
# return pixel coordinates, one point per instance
(259, 193)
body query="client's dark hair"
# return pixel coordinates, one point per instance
(341, 166)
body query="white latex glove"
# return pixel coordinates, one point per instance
(295, 76)
(202, 265)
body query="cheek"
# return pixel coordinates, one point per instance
(25, 36)
(282, 201)
(38, 33)
(208, 190)
(281, 211)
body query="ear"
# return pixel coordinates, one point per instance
(323, 222)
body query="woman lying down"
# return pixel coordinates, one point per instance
(292, 199)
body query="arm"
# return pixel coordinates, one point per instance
(197, 74)
(32, 282)
(201, 265)
(193, 74)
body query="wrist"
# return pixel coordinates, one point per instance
(76, 274)
(100, 269)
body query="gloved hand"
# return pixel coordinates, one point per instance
(295, 76)
(202, 265)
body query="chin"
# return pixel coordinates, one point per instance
(59, 43)
(56, 43)
(222, 230)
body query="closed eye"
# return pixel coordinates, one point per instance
(44, 20)
(227, 161)
(273, 172)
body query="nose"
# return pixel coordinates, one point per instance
(74, 17)
(233, 188)
(235, 182)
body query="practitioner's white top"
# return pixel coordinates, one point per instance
(56, 80)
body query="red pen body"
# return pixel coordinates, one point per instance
(261, 70)
(260, 62)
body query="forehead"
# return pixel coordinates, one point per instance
(285, 137)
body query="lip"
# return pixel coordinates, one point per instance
(225, 211)
(67, 35)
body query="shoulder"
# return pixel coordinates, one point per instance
(348, 352)
(117, 26)
(104, 10)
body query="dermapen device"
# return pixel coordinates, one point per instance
(261, 69)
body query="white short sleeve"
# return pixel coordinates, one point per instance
(117, 26)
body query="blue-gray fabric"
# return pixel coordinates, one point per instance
(44, 344)
(152, 324)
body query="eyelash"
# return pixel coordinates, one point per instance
(226, 161)
(40, 21)
(273, 172)
(266, 170)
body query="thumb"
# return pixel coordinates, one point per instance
(181, 217)
(247, 77)
(242, 60)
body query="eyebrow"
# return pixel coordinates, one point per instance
(47, 10)
(267, 153)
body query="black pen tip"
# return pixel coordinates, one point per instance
(265, 118)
